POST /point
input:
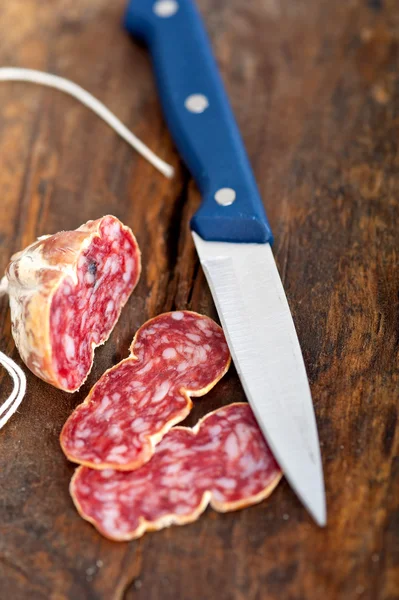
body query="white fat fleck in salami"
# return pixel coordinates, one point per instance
(190, 469)
(169, 353)
(64, 301)
(194, 337)
(69, 345)
(110, 306)
(161, 391)
(178, 316)
(147, 393)
(232, 447)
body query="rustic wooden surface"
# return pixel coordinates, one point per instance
(315, 87)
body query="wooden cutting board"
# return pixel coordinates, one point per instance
(315, 87)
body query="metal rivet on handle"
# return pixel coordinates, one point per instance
(225, 196)
(196, 103)
(165, 8)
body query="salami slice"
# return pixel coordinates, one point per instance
(173, 356)
(66, 293)
(223, 461)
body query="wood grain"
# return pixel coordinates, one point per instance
(315, 87)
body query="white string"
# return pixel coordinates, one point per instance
(67, 86)
(3, 286)
(9, 407)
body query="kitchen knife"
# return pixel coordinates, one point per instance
(233, 240)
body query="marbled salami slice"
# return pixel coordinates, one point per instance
(173, 356)
(66, 293)
(223, 461)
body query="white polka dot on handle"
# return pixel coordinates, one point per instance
(196, 103)
(165, 8)
(225, 196)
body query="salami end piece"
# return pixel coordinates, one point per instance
(173, 357)
(223, 461)
(66, 293)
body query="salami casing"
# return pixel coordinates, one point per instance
(173, 356)
(223, 461)
(66, 293)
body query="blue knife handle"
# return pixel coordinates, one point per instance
(209, 139)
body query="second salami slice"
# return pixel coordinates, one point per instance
(223, 461)
(66, 293)
(173, 357)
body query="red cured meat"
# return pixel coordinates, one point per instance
(173, 356)
(223, 461)
(66, 293)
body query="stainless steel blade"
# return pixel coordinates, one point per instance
(256, 318)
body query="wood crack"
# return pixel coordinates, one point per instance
(122, 592)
